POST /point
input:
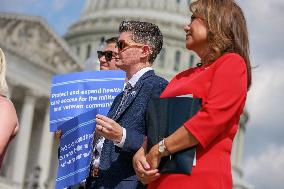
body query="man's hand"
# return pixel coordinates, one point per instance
(108, 128)
(58, 134)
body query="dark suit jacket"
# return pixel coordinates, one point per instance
(116, 169)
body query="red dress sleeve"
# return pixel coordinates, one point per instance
(225, 100)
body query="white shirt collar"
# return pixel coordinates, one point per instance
(137, 75)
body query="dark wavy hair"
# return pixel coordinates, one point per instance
(145, 33)
(112, 40)
(227, 30)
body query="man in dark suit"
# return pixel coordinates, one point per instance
(124, 127)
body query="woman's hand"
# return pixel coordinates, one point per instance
(142, 167)
(154, 157)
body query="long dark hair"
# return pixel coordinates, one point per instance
(227, 30)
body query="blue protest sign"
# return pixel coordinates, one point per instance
(75, 93)
(76, 144)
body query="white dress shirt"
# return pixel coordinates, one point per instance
(100, 142)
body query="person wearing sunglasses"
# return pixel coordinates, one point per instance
(123, 128)
(217, 33)
(107, 57)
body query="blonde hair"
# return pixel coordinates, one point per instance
(3, 83)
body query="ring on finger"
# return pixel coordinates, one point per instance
(102, 129)
(142, 175)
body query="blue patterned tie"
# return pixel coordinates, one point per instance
(98, 138)
(108, 147)
(126, 93)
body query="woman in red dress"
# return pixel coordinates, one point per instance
(218, 34)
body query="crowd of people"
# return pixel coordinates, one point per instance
(217, 33)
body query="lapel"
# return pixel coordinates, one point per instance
(115, 105)
(134, 92)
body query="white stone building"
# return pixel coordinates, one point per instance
(34, 53)
(101, 18)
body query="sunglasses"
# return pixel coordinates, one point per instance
(107, 54)
(123, 45)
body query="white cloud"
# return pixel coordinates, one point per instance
(265, 24)
(58, 5)
(265, 102)
(265, 99)
(265, 170)
(264, 142)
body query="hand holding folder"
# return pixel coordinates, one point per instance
(163, 117)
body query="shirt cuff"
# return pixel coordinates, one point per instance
(121, 143)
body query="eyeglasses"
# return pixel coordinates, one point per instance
(123, 45)
(107, 54)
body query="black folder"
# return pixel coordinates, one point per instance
(163, 117)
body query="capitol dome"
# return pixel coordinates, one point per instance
(101, 19)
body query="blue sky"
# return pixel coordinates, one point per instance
(60, 14)
(263, 161)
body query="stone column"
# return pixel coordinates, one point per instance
(45, 151)
(87, 7)
(23, 139)
(100, 4)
